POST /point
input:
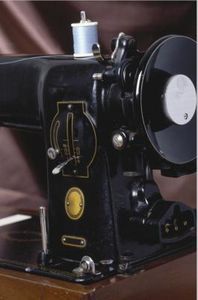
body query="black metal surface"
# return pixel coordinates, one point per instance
(21, 244)
(173, 55)
(21, 87)
(123, 215)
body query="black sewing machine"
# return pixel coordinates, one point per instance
(108, 122)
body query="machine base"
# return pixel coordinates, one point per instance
(21, 245)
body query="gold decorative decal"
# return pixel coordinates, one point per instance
(74, 203)
(73, 241)
(55, 134)
(70, 126)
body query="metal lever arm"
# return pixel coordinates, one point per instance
(59, 168)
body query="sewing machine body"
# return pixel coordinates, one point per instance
(96, 193)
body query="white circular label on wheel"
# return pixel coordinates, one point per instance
(179, 99)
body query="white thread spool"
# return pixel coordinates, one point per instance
(85, 34)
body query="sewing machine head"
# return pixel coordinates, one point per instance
(108, 122)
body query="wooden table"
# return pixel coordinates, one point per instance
(175, 280)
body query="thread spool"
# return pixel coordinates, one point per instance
(85, 34)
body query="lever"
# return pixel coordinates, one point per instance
(59, 168)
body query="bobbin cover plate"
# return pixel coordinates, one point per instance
(166, 96)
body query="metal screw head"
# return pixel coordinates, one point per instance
(28, 269)
(52, 153)
(119, 140)
(75, 172)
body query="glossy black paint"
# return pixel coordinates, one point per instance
(124, 214)
(168, 58)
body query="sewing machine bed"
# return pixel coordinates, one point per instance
(21, 244)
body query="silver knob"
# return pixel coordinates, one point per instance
(119, 140)
(52, 153)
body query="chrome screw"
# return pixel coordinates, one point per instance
(119, 140)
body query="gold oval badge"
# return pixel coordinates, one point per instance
(74, 203)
